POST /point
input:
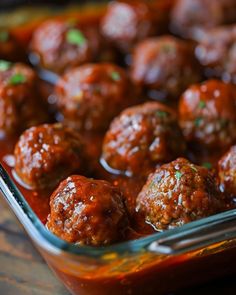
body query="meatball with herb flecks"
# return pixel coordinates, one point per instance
(227, 172)
(127, 22)
(46, 154)
(90, 96)
(190, 17)
(87, 212)
(166, 65)
(142, 137)
(217, 52)
(177, 193)
(207, 114)
(60, 45)
(20, 104)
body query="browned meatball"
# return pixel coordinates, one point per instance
(217, 52)
(46, 154)
(227, 172)
(165, 64)
(20, 105)
(207, 114)
(10, 49)
(189, 17)
(177, 193)
(141, 137)
(128, 21)
(62, 44)
(91, 95)
(87, 211)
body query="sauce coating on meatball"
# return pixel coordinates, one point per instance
(46, 154)
(190, 17)
(141, 137)
(227, 172)
(217, 52)
(127, 22)
(10, 49)
(207, 114)
(165, 64)
(60, 45)
(177, 193)
(87, 211)
(20, 105)
(91, 95)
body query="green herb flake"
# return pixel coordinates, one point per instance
(197, 122)
(17, 78)
(4, 65)
(115, 76)
(207, 165)
(202, 104)
(161, 114)
(178, 175)
(4, 36)
(168, 48)
(75, 37)
(194, 168)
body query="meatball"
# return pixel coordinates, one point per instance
(46, 154)
(20, 106)
(10, 49)
(227, 172)
(165, 64)
(190, 17)
(142, 137)
(177, 193)
(60, 45)
(128, 21)
(87, 211)
(217, 52)
(207, 114)
(91, 95)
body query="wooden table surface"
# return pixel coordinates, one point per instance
(23, 271)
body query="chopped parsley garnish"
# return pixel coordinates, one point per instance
(161, 114)
(75, 37)
(4, 36)
(194, 168)
(178, 175)
(168, 48)
(202, 104)
(207, 165)
(115, 76)
(223, 122)
(5, 65)
(197, 122)
(17, 78)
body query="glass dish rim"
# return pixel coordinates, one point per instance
(9, 190)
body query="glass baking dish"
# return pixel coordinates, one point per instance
(157, 264)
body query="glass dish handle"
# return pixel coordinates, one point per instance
(191, 238)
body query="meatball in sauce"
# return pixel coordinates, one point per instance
(177, 193)
(227, 172)
(142, 137)
(90, 96)
(46, 154)
(87, 212)
(60, 45)
(20, 105)
(207, 115)
(166, 65)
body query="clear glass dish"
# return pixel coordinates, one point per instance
(157, 264)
